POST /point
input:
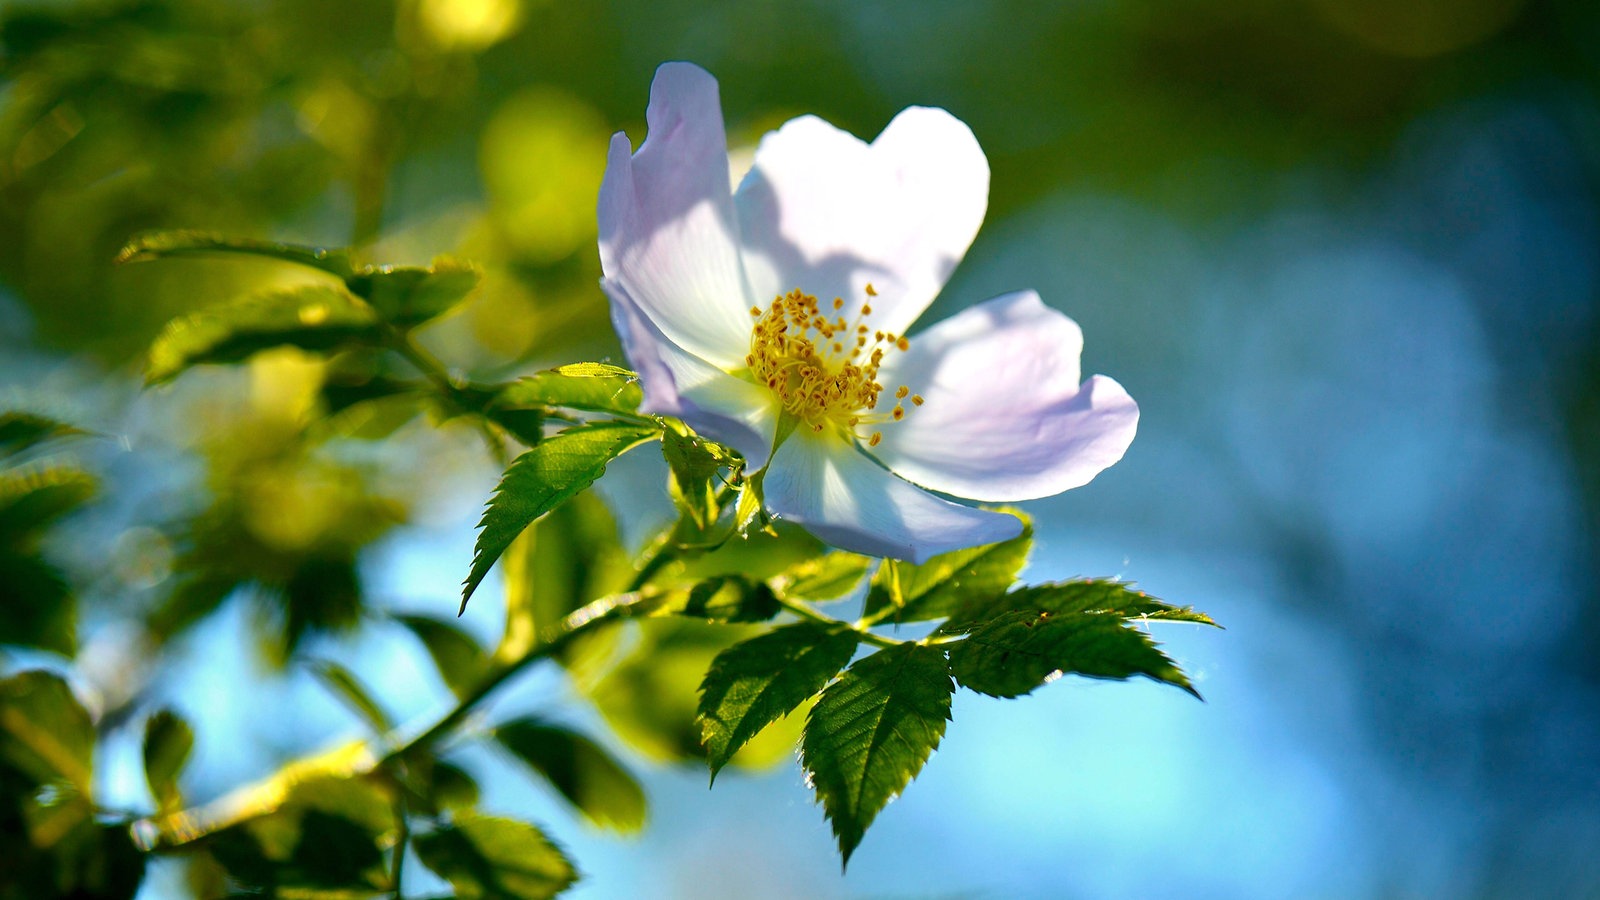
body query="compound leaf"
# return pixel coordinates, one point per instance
(753, 684)
(872, 731)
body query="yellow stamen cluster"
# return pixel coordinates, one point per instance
(824, 369)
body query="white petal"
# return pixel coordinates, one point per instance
(835, 492)
(1005, 417)
(667, 221)
(676, 383)
(823, 212)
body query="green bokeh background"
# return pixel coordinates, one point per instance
(1342, 251)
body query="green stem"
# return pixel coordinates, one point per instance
(402, 816)
(432, 369)
(551, 641)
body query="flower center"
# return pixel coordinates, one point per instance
(824, 369)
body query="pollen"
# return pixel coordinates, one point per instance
(827, 381)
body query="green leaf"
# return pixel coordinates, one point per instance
(456, 654)
(827, 577)
(569, 557)
(872, 731)
(694, 463)
(162, 244)
(407, 296)
(590, 778)
(312, 317)
(32, 498)
(753, 684)
(904, 592)
(587, 386)
(650, 698)
(541, 479)
(44, 732)
(20, 431)
(42, 612)
(328, 832)
(725, 598)
(168, 740)
(1015, 652)
(1089, 595)
(348, 688)
(490, 858)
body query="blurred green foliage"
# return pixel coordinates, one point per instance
(406, 129)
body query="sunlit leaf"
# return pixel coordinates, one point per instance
(44, 732)
(589, 777)
(457, 655)
(588, 386)
(694, 463)
(407, 296)
(348, 688)
(827, 577)
(651, 697)
(160, 244)
(312, 317)
(490, 858)
(905, 592)
(569, 557)
(21, 430)
(872, 731)
(1090, 595)
(1015, 652)
(543, 478)
(755, 683)
(168, 740)
(328, 832)
(33, 498)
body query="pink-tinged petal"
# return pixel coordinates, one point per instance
(667, 230)
(676, 383)
(1005, 417)
(830, 488)
(824, 212)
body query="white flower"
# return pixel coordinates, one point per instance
(772, 319)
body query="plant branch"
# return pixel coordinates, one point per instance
(804, 611)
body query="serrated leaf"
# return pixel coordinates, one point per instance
(1088, 595)
(490, 858)
(33, 498)
(753, 684)
(871, 733)
(827, 577)
(586, 386)
(348, 688)
(591, 779)
(543, 478)
(905, 592)
(457, 655)
(20, 431)
(725, 598)
(650, 698)
(168, 740)
(44, 732)
(1015, 652)
(408, 296)
(162, 244)
(312, 317)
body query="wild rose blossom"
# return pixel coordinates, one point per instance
(773, 319)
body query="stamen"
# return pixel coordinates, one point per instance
(819, 375)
